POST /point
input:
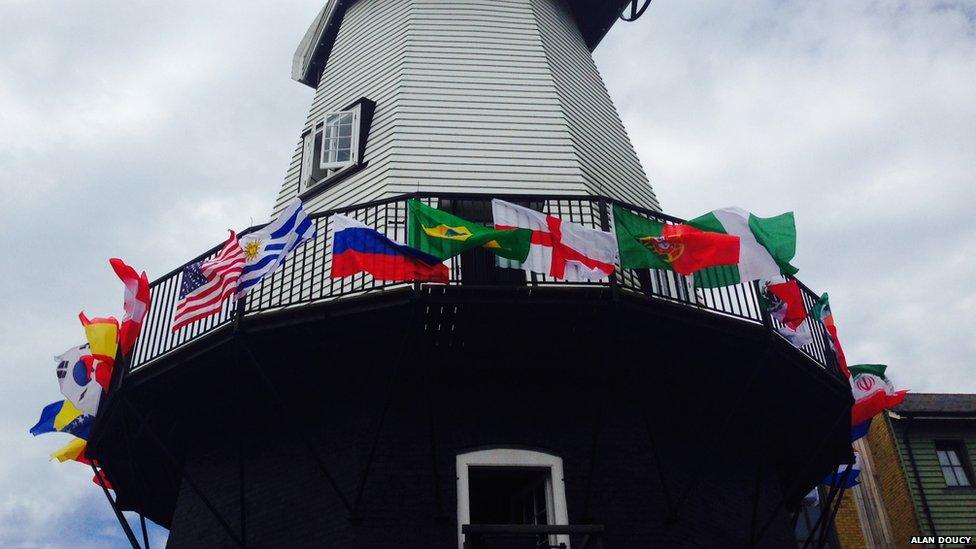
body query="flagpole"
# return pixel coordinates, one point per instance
(816, 453)
(118, 513)
(181, 471)
(835, 487)
(840, 499)
(145, 531)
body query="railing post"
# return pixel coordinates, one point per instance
(605, 226)
(767, 320)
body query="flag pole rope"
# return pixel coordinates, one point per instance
(382, 418)
(291, 426)
(758, 487)
(431, 411)
(242, 501)
(604, 385)
(723, 431)
(183, 474)
(115, 508)
(816, 454)
(655, 451)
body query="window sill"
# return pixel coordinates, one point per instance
(323, 184)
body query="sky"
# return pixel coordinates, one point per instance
(143, 132)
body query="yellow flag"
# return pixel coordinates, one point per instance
(75, 450)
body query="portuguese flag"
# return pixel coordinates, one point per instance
(444, 235)
(648, 244)
(766, 246)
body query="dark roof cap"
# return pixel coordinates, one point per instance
(594, 18)
(948, 404)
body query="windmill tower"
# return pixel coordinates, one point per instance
(501, 410)
(469, 96)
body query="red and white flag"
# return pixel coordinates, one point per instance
(560, 249)
(207, 284)
(135, 303)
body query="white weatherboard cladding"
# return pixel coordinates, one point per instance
(497, 96)
(608, 161)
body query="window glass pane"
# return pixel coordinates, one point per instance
(338, 144)
(950, 476)
(962, 477)
(943, 459)
(953, 457)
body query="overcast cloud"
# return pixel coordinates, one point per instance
(144, 130)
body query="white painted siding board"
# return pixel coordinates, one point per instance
(472, 95)
(610, 164)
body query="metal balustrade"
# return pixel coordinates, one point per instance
(304, 278)
(532, 536)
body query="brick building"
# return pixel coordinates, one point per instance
(917, 477)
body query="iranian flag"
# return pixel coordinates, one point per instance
(766, 246)
(873, 392)
(648, 244)
(558, 248)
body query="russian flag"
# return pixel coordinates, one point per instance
(357, 248)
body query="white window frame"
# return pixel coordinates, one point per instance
(512, 457)
(318, 130)
(353, 142)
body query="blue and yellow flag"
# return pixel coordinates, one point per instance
(63, 417)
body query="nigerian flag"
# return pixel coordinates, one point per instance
(444, 235)
(766, 246)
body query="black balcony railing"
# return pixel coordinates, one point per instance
(532, 536)
(304, 279)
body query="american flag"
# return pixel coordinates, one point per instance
(206, 284)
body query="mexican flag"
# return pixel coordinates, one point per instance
(443, 235)
(873, 392)
(766, 246)
(648, 244)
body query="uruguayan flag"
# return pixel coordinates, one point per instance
(266, 250)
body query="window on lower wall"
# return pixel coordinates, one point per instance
(335, 144)
(512, 487)
(954, 463)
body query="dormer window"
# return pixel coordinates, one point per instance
(338, 135)
(335, 144)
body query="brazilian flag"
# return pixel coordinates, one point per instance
(444, 235)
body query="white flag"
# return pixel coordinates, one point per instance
(76, 380)
(266, 250)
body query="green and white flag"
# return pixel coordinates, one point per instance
(767, 244)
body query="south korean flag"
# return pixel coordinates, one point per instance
(76, 380)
